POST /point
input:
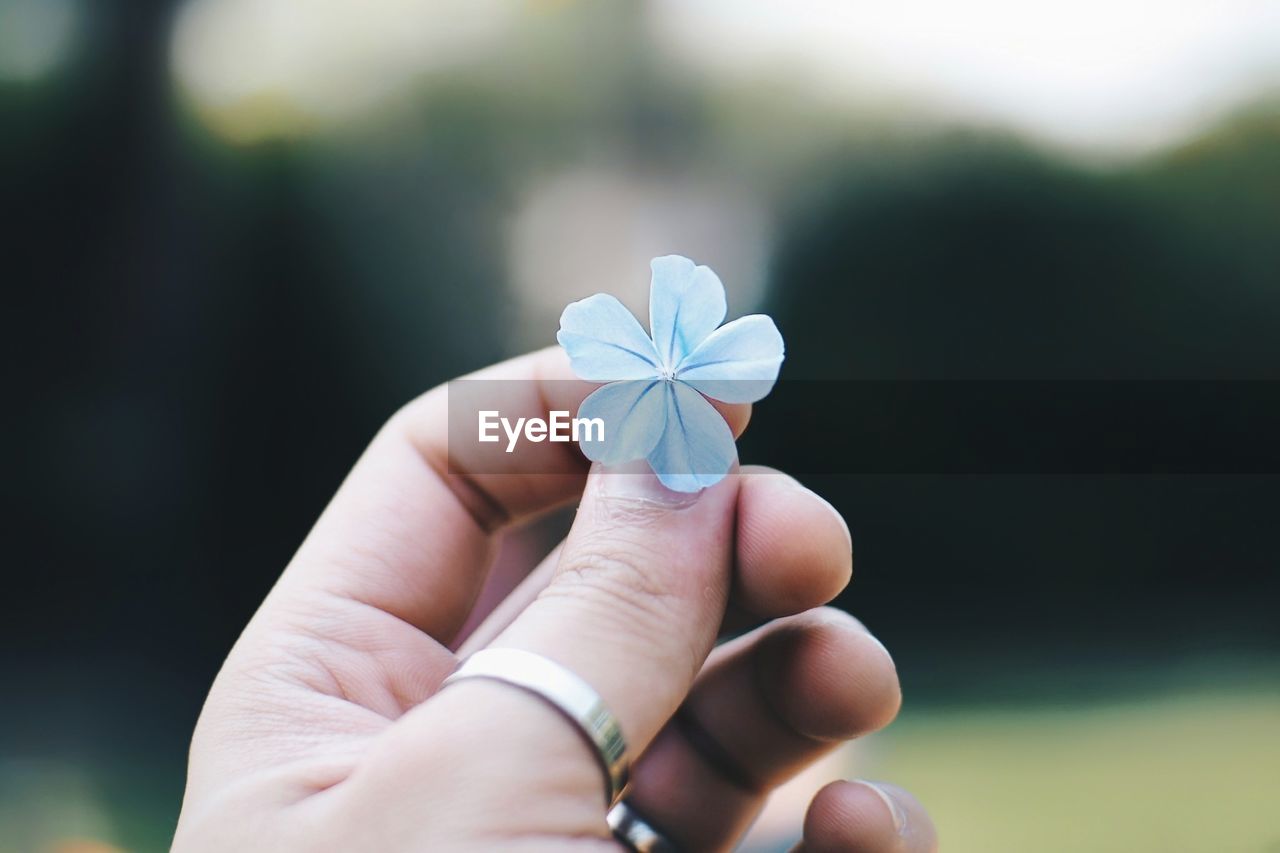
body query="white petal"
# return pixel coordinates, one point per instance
(605, 341)
(696, 449)
(737, 363)
(686, 303)
(634, 414)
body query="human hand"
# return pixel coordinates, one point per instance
(324, 730)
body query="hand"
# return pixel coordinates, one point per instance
(323, 731)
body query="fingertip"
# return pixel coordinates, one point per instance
(828, 677)
(867, 817)
(736, 415)
(794, 549)
(848, 816)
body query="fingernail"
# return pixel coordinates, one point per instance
(895, 810)
(636, 481)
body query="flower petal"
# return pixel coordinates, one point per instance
(738, 362)
(686, 303)
(605, 341)
(696, 449)
(634, 414)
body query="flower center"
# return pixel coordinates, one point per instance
(667, 373)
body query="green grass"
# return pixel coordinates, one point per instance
(1199, 774)
(1190, 773)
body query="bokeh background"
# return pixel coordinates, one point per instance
(238, 234)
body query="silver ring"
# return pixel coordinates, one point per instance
(567, 693)
(637, 833)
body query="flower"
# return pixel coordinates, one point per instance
(655, 406)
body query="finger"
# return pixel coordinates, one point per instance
(409, 532)
(766, 706)
(867, 817)
(792, 553)
(638, 594)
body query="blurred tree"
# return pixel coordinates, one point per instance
(977, 259)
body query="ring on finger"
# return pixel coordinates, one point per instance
(637, 833)
(565, 691)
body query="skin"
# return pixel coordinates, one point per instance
(324, 731)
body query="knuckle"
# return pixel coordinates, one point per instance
(618, 570)
(621, 512)
(620, 587)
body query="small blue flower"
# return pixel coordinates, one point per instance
(655, 406)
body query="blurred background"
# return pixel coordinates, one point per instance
(238, 234)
